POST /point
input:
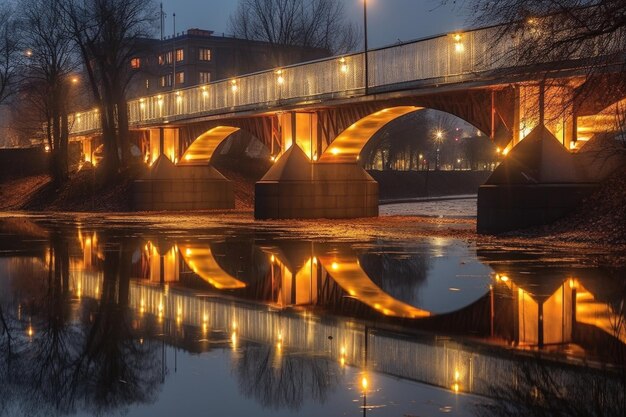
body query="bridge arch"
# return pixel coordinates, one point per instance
(349, 144)
(203, 147)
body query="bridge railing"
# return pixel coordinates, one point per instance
(444, 58)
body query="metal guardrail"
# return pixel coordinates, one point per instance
(443, 58)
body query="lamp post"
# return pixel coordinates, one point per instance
(438, 141)
(365, 41)
(174, 54)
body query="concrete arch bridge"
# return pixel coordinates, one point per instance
(331, 108)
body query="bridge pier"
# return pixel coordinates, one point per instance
(540, 181)
(298, 188)
(169, 187)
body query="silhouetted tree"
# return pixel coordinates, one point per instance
(9, 52)
(305, 23)
(108, 33)
(49, 63)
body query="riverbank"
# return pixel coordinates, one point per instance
(598, 226)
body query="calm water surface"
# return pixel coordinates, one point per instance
(110, 317)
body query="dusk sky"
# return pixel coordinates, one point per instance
(388, 20)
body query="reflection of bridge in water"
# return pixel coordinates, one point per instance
(521, 315)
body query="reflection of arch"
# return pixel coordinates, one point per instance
(202, 262)
(347, 272)
(202, 149)
(348, 145)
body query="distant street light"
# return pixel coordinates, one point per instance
(438, 139)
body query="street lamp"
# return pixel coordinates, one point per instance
(365, 41)
(438, 139)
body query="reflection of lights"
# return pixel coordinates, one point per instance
(343, 350)
(455, 387)
(457, 375)
(342, 361)
(233, 339)
(234, 325)
(30, 332)
(364, 383)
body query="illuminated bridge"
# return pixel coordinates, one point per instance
(330, 108)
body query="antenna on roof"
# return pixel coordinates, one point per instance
(162, 20)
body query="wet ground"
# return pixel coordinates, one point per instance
(218, 314)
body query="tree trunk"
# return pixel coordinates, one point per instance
(123, 130)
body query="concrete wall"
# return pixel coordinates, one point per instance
(409, 184)
(23, 162)
(178, 195)
(512, 207)
(315, 199)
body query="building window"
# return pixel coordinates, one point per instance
(147, 83)
(165, 58)
(135, 63)
(180, 77)
(180, 55)
(166, 80)
(204, 77)
(204, 54)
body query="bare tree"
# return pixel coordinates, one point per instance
(304, 23)
(49, 74)
(108, 34)
(9, 52)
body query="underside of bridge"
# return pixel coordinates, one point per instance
(549, 132)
